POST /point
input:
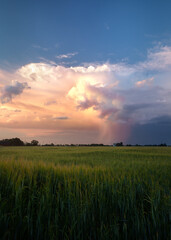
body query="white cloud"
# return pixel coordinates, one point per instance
(66, 56)
(159, 58)
(39, 47)
(45, 60)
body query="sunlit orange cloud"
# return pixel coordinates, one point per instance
(144, 82)
(84, 104)
(53, 98)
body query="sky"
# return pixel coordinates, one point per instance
(85, 71)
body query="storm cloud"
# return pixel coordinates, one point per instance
(10, 91)
(156, 131)
(116, 102)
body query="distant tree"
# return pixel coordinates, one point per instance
(17, 142)
(96, 144)
(12, 142)
(119, 144)
(27, 144)
(163, 145)
(34, 143)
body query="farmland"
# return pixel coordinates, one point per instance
(85, 193)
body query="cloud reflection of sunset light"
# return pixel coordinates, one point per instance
(97, 100)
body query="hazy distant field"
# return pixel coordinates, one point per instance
(85, 193)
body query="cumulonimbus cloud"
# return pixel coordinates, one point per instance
(100, 98)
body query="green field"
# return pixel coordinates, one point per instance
(85, 193)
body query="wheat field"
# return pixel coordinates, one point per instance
(85, 193)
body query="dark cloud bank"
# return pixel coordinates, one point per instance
(156, 131)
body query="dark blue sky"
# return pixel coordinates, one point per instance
(97, 30)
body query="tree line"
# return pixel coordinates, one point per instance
(17, 142)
